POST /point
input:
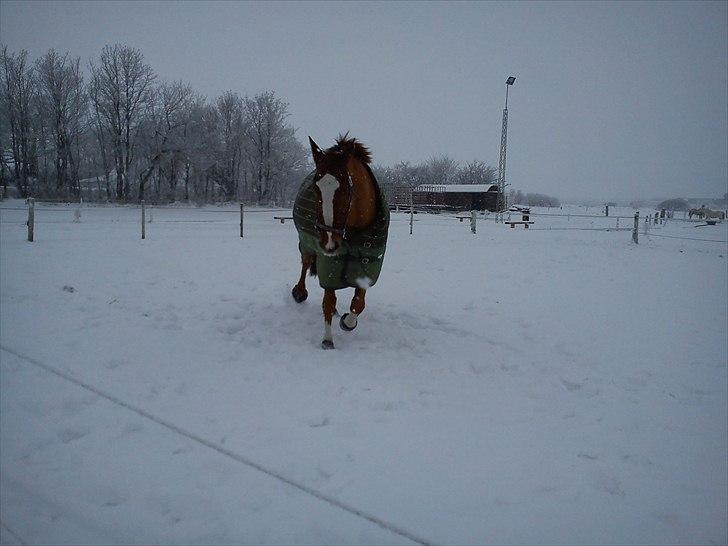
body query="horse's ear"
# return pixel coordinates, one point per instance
(316, 152)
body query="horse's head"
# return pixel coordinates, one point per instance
(340, 173)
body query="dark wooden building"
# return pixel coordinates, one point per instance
(456, 197)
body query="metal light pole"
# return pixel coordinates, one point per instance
(502, 200)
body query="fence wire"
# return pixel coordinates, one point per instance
(75, 208)
(684, 238)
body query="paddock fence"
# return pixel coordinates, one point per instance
(648, 225)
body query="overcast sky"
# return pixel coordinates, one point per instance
(613, 100)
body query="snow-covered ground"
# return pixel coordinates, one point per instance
(533, 387)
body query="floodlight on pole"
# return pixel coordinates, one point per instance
(502, 201)
(510, 81)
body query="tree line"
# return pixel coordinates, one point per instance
(517, 197)
(112, 131)
(116, 132)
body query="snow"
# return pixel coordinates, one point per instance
(513, 386)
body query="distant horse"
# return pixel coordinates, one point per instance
(342, 221)
(700, 213)
(714, 214)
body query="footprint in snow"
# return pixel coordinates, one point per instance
(587, 456)
(608, 484)
(571, 386)
(324, 422)
(71, 435)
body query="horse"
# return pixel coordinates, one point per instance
(342, 220)
(696, 212)
(714, 214)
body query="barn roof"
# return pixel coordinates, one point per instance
(456, 188)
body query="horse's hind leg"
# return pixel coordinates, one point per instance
(349, 320)
(299, 291)
(329, 306)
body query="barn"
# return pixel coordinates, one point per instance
(456, 196)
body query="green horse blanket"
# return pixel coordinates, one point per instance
(358, 261)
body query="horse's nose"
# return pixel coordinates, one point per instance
(331, 245)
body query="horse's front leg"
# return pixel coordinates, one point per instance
(299, 291)
(329, 306)
(349, 320)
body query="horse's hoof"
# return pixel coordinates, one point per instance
(343, 324)
(327, 344)
(299, 295)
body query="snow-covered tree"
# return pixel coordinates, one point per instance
(62, 105)
(441, 169)
(267, 133)
(476, 172)
(18, 93)
(122, 87)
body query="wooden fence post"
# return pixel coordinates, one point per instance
(412, 213)
(31, 218)
(144, 233)
(635, 230)
(77, 212)
(473, 221)
(241, 219)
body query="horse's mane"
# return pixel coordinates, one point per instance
(350, 146)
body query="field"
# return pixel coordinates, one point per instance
(557, 385)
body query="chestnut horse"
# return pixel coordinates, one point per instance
(342, 221)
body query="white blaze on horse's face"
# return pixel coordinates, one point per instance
(328, 185)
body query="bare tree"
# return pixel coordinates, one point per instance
(18, 89)
(102, 134)
(163, 136)
(409, 176)
(229, 155)
(516, 197)
(62, 102)
(476, 172)
(541, 200)
(123, 90)
(441, 170)
(289, 165)
(265, 124)
(202, 142)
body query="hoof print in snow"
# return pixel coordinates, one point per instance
(324, 422)
(343, 325)
(69, 289)
(71, 435)
(327, 344)
(299, 295)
